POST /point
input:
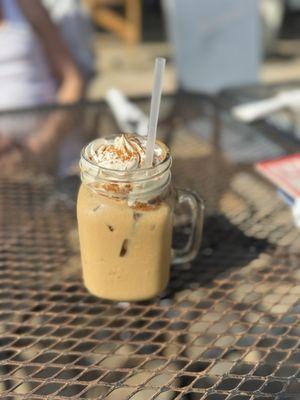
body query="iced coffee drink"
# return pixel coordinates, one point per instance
(125, 219)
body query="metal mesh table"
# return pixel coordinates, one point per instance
(228, 326)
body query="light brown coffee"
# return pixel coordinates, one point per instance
(125, 250)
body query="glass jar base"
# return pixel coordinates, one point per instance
(120, 298)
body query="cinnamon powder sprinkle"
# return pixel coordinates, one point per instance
(123, 155)
(118, 189)
(146, 206)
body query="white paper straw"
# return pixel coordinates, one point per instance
(154, 109)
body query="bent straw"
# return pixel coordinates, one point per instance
(154, 109)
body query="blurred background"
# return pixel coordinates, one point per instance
(261, 38)
(54, 53)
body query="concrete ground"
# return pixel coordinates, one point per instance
(130, 68)
(285, 66)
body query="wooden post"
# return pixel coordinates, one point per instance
(134, 17)
(128, 28)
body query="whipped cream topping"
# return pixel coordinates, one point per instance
(124, 153)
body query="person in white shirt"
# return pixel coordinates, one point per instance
(35, 68)
(75, 26)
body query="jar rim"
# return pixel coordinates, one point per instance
(126, 175)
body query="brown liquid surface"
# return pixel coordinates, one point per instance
(125, 252)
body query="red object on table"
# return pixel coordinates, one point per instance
(284, 172)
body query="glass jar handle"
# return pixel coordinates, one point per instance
(196, 205)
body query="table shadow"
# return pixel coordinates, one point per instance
(225, 248)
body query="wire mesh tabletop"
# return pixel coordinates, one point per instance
(227, 327)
